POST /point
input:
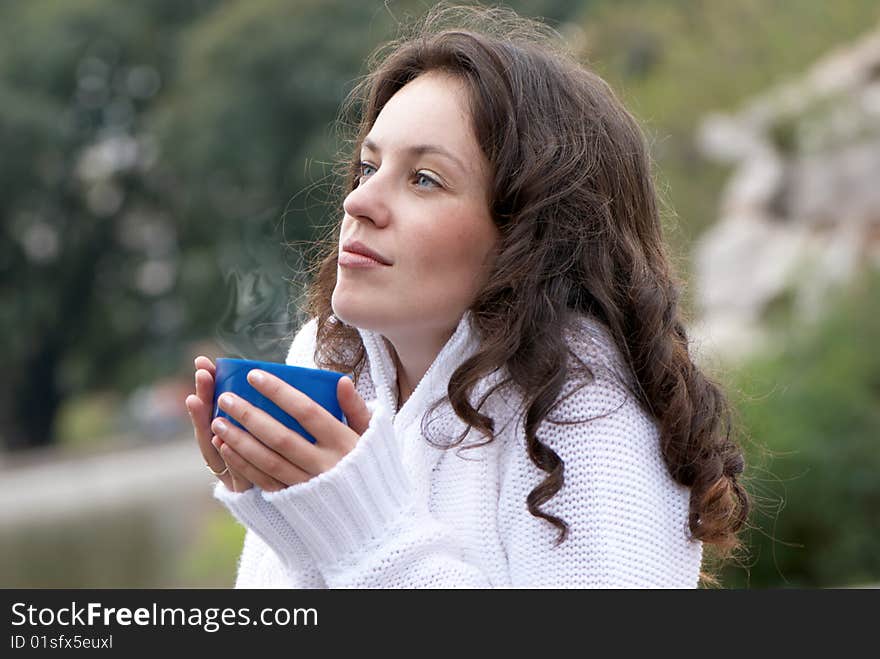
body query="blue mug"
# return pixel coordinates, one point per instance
(318, 384)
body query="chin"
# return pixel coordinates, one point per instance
(356, 315)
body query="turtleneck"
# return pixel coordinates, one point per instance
(433, 384)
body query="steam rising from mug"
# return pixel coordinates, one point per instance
(256, 319)
(265, 288)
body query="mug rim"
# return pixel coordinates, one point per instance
(265, 365)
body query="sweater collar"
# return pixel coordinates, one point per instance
(461, 345)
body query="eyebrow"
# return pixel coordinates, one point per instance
(418, 149)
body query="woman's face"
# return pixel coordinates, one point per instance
(423, 204)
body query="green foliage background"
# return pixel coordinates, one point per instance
(813, 411)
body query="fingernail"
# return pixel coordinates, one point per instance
(227, 401)
(256, 377)
(220, 425)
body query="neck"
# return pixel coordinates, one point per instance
(413, 357)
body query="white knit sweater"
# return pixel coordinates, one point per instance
(397, 512)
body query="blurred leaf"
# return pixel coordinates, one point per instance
(813, 412)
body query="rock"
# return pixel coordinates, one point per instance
(800, 215)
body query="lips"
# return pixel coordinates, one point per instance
(357, 247)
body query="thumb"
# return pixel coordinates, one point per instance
(353, 406)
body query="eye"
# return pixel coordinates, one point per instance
(420, 177)
(364, 167)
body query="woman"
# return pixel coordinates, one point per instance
(523, 411)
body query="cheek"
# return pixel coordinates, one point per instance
(457, 254)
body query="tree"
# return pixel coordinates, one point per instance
(149, 150)
(77, 79)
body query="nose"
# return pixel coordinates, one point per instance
(368, 201)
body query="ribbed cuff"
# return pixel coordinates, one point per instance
(255, 513)
(348, 509)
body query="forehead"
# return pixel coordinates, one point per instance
(431, 108)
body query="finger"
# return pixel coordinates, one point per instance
(257, 455)
(203, 362)
(239, 482)
(200, 416)
(279, 438)
(205, 387)
(238, 461)
(353, 406)
(317, 421)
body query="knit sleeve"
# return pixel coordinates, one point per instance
(363, 528)
(273, 555)
(626, 517)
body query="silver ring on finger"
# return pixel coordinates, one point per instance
(218, 473)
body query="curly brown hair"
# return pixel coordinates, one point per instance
(573, 198)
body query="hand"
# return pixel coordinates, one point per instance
(272, 456)
(200, 407)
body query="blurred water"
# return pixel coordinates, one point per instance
(130, 519)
